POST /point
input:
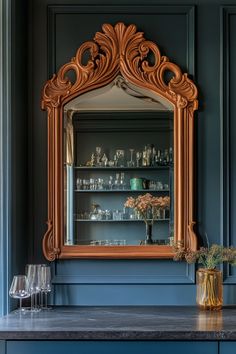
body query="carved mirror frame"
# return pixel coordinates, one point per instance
(120, 49)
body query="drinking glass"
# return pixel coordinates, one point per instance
(45, 286)
(98, 155)
(120, 158)
(138, 158)
(131, 162)
(19, 289)
(122, 181)
(117, 181)
(33, 272)
(110, 182)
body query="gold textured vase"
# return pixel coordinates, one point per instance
(209, 289)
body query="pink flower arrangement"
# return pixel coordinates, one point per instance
(148, 206)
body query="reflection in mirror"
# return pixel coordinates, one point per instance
(118, 143)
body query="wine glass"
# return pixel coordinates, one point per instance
(19, 289)
(98, 155)
(138, 158)
(34, 280)
(131, 162)
(45, 285)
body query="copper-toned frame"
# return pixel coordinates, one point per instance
(120, 49)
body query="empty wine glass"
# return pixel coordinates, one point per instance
(122, 180)
(117, 181)
(45, 286)
(110, 182)
(138, 158)
(98, 155)
(34, 280)
(131, 162)
(19, 289)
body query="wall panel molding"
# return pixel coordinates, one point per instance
(110, 277)
(188, 11)
(5, 151)
(226, 13)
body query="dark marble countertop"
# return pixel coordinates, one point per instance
(121, 323)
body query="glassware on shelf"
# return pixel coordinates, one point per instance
(144, 157)
(153, 155)
(166, 158)
(111, 163)
(149, 156)
(117, 181)
(120, 153)
(104, 160)
(122, 181)
(79, 183)
(92, 184)
(98, 155)
(125, 213)
(100, 185)
(107, 243)
(138, 159)
(19, 289)
(159, 186)
(131, 163)
(171, 155)
(110, 183)
(108, 215)
(94, 215)
(117, 215)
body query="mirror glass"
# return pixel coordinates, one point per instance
(118, 143)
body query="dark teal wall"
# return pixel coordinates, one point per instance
(200, 37)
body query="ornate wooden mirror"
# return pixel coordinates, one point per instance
(120, 124)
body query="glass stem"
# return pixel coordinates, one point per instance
(46, 300)
(41, 298)
(31, 301)
(20, 303)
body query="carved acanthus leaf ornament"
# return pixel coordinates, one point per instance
(119, 50)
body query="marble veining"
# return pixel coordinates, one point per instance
(121, 323)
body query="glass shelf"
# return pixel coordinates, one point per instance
(124, 220)
(143, 168)
(122, 191)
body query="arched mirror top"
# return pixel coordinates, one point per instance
(120, 50)
(119, 71)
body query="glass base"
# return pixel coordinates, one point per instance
(46, 308)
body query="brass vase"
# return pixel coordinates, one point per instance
(209, 289)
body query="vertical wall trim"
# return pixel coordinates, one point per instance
(5, 150)
(225, 12)
(191, 42)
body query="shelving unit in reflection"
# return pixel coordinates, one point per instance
(117, 155)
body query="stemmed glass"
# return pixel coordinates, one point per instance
(19, 289)
(45, 285)
(138, 158)
(131, 162)
(33, 272)
(98, 155)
